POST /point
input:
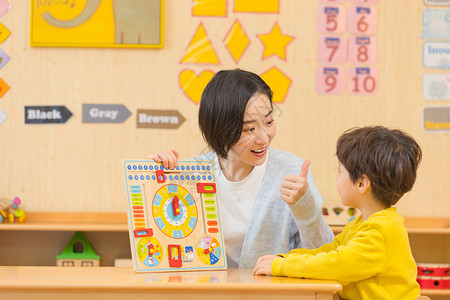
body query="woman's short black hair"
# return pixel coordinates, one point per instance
(388, 157)
(222, 107)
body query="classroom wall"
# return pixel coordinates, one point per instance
(77, 166)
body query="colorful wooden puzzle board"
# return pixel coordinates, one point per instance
(173, 216)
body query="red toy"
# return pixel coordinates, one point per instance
(433, 276)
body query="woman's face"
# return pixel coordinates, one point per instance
(258, 131)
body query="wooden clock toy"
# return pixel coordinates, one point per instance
(173, 216)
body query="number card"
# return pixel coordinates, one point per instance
(332, 1)
(330, 80)
(362, 50)
(4, 7)
(331, 19)
(364, 1)
(362, 80)
(332, 49)
(362, 20)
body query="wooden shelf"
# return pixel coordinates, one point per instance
(117, 222)
(435, 292)
(68, 221)
(428, 225)
(419, 225)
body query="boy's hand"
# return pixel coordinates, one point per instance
(168, 158)
(264, 265)
(294, 187)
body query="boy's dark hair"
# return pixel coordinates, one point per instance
(389, 158)
(222, 107)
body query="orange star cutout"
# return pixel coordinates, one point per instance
(275, 42)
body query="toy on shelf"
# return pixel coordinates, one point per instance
(173, 216)
(78, 253)
(9, 209)
(433, 276)
(337, 214)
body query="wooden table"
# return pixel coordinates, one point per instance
(112, 283)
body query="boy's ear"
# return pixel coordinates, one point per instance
(363, 184)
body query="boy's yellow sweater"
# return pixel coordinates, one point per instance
(371, 259)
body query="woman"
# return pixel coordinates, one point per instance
(269, 202)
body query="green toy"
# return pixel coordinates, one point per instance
(78, 253)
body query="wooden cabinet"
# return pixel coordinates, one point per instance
(45, 234)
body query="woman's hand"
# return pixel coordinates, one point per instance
(294, 187)
(168, 158)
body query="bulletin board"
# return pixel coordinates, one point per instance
(97, 23)
(130, 103)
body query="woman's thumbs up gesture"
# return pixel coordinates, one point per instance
(295, 186)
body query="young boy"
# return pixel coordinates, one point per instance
(371, 257)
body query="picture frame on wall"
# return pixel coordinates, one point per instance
(97, 23)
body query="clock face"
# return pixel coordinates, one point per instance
(174, 211)
(171, 216)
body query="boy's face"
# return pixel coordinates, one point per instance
(347, 190)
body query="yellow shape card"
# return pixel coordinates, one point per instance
(275, 42)
(97, 23)
(278, 82)
(257, 6)
(193, 85)
(209, 8)
(200, 49)
(4, 33)
(236, 41)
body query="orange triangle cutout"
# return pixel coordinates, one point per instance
(200, 50)
(4, 87)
